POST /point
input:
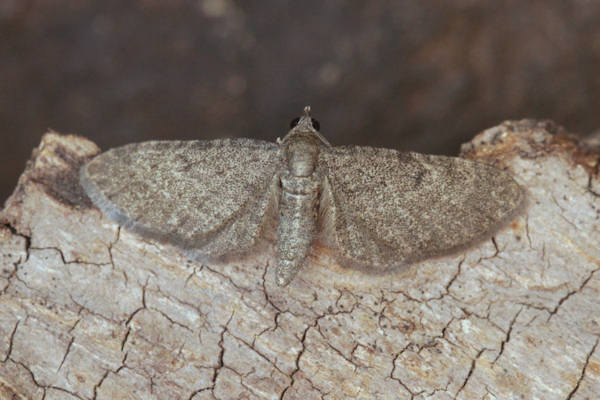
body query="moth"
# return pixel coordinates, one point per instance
(377, 209)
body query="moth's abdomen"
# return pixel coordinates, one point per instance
(297, 228)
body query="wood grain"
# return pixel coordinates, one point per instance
(90, 311)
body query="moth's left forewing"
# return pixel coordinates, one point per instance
(209, 197)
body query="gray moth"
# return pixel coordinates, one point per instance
(375, 208)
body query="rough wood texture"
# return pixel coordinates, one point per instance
(91, 311)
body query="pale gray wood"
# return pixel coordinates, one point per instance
(88, 310)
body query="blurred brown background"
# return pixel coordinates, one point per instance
(416, 75)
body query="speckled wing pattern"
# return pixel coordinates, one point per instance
(210, 196)
(388, 208)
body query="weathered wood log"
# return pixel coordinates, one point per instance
(89, 311)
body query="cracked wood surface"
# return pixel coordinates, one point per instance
(89, 311)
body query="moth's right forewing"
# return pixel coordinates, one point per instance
(393, 208)
(211, 196)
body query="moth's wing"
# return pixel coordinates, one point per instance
(212, 197)
(386, 208)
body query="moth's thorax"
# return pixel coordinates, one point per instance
(301, 153)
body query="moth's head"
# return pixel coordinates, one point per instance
(305, 123)
(305, 126)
